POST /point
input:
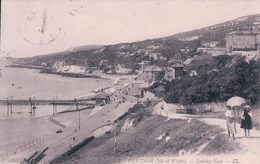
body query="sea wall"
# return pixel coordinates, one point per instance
(72, 150)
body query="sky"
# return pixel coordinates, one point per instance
(36, 27)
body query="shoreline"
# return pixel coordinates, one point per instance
(46, 70)
(109, 111)
(43, 101)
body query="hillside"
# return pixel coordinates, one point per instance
(218, 31)
(219, 78)
(52, 57)
(159, 51)
(134, 143)
(166, 138)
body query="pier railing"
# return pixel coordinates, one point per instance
(45, 102)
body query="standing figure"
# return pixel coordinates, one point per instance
(246, 120)
(231, 121)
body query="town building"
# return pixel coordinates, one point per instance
(169, 74)
(246, 40)
(44, 64)
(242, 40)
(256, 26)
(157, 56)
(176, 71)
(214, 51)
(203, 50)
(122, 70)
(154, 56)
(249, 55)
(151, 74)
(144, 64)
(136, 88)
(186, 50)
(218, 51)
(210, 44)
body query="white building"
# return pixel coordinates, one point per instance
(122, 70)
(136, 88)
(214, 51)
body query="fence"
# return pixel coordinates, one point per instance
(24, 146)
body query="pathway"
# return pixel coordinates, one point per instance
(250, 145)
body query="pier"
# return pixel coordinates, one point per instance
(90, 102)
(45, 102)
(54, 103)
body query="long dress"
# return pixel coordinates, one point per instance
(231, 121)
(246, 123)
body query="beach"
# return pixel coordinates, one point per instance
(21, 131)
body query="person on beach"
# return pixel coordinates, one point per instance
(246, 120)
(231, 121)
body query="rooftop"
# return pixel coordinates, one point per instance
(177, 66)
(153, 69)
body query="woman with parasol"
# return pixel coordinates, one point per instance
(231, 113)
(231, 121)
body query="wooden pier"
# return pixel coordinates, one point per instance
(45, 102)
(90, 102)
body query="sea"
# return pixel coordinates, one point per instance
(23, 83)
(21, 129)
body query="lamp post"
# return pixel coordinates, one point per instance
(11, 104)
(115, 141)
(79, 113)
(7, 104)
(53, 107)
(31, 105)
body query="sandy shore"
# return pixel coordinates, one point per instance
(91, 119)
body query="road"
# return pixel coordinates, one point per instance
(249, 145)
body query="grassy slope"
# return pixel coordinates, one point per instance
(221, 144)
(140, 141)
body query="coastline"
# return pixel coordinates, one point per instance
(47, 70)
(109, 111)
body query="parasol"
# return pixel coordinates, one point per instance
(236, 101)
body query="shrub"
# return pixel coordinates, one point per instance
(241, 79)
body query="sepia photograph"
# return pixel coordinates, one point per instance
(130, 82)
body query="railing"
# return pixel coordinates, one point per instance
(25, 146)
(44, 102)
